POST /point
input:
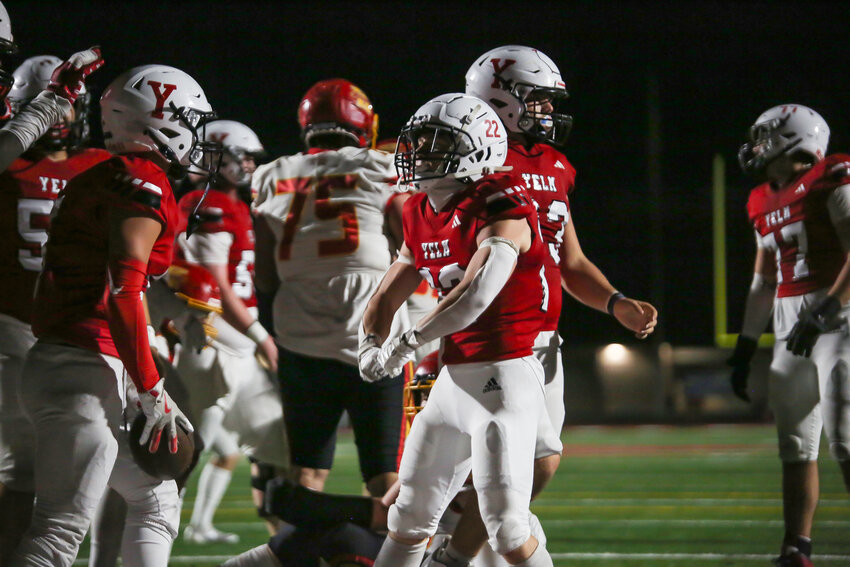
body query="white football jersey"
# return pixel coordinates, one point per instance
(326, 209)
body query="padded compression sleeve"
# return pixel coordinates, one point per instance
(838, 206)
(482, 290)
(127, 323)
(759, 304)
(41, 113)
(307, 508)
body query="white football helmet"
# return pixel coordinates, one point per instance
(161, 109)
(30, 78)
(781, 130)
(451, 140)
(513, 77)
(240, 145)
(7, 41)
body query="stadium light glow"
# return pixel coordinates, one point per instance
(615, 354)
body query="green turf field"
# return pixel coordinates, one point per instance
(631, 496)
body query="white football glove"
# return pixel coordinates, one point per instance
(370, 360)
(400, 351)
(160, 413)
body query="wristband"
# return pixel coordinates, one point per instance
(615, 297)
(256, 332)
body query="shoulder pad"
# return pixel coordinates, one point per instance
(135, 189)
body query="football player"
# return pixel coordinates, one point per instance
(322, 246)
(92, 366)
(801, 216)
(473, 236)
(524, 87)
(28, 189)
(246, 398)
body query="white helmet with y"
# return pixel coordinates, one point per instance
(157, 108)
(786, 129)
(525, 88)
(7, 40)
(451, 140)
(241, 147)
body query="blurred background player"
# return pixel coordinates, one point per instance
(28, 189)
(473, 236)
(114, 227)
(524, 87)
(225, 379)
(328, 221)
(801, 217)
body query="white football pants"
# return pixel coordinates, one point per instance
(484, 418)
(76, 400)
(547, 349)
(811, 395)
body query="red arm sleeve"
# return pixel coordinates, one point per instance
(127, 322)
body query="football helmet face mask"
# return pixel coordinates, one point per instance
(240, 149)
(30, 78)
(784, 130)
(417, 390)
(161, 109)
(451, 140)
(525, 88)
(337, 110)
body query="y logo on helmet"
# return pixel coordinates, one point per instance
(161, 96)
(219, 137)
(498, 67)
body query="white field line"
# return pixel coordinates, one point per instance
(179, 559)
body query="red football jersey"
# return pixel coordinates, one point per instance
(70, 300)
(548, 178)
(221, 213)
(442, 244)
(794, 222)
(27, 191)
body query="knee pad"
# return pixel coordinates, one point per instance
(792, 449)
(505, 514)
(408, 524)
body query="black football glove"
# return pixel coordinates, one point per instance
(745, 349)
(821, 318)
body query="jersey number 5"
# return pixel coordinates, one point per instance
(33, 221)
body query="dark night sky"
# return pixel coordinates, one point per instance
(717, 64)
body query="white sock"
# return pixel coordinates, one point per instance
(211, 488)
(540, 558)
(261, 556)
(452, 557)
(397, 554)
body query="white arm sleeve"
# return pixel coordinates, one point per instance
(41, 113)
(207, 248)
(838, 205)
(759, 303)
(482, 290)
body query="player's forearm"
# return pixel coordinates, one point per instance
(586, 283)
(759, 306)
(841, 287)
(128, 323)
(10, 149)
(19, 133)
(396, 286)
(265, 276)
(490, 268)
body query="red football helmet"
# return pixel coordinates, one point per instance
(336, 107)
(417, 390)
(194, 285)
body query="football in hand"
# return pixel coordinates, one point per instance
(163, 464)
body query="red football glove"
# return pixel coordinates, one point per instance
(68, 78)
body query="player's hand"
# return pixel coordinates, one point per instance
(745, 349)
(400, 351)
(161, 414)
(821, 318)
(267, 354)
(68, 78)
(639, 317)
(370, 359)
